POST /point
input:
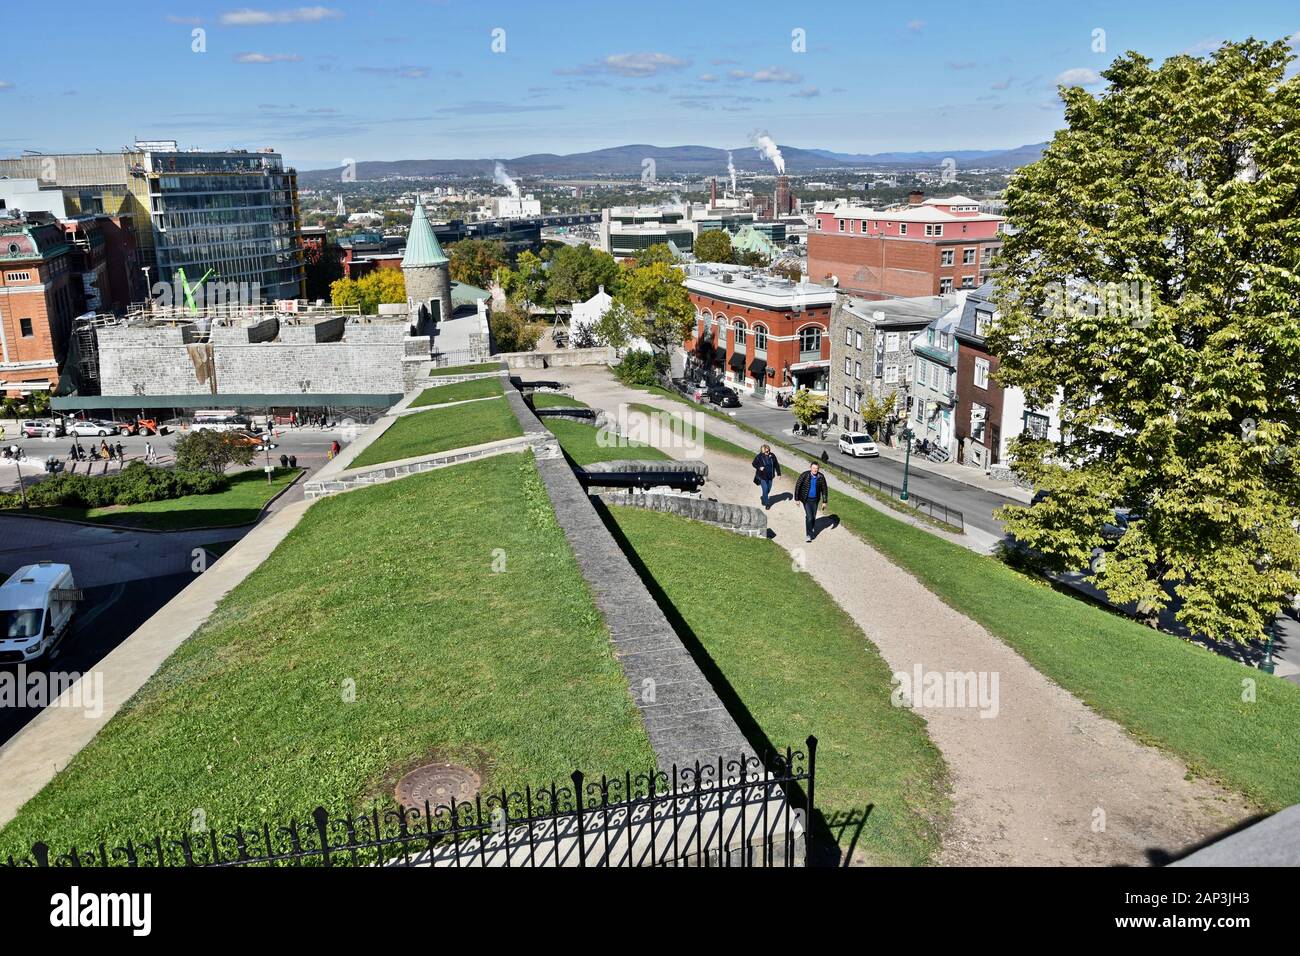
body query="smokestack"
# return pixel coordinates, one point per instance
(783, 205)
(713, 193)
(915, 197)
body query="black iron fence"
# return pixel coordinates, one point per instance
(920, 503)
(738, 812)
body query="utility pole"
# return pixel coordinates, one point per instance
(21, 490)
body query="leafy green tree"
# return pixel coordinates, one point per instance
(211, 451)
(657, 304)
(473, 261)
(659, 252)
(808, 407)
(513, 329)
(1149, 290)
(578, 272)
(876, 411)
(617, 327)
(525, 283)
(713, 245)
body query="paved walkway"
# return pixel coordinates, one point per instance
(1046, 781)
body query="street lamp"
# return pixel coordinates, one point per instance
(907, 459)
(14, 450)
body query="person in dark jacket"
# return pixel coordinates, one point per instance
(766, 470)
(810, 491)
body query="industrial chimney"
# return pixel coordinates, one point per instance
(783, 204)
(713, 193)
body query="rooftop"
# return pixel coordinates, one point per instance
(918, 310)
(422, 247)
(741, 284)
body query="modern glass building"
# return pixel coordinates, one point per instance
(234, 212)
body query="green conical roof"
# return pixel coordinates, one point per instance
(422, 247)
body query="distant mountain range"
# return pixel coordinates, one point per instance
(672, 161)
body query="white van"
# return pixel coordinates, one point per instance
(36, 608)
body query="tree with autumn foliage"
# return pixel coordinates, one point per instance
(1149, 290)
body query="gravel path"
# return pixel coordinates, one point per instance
(1044, 781)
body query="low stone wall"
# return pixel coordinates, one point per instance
(565, 359)
(742, 519)
(693, 465)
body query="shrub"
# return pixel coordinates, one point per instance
(642, 368)
(133, 485)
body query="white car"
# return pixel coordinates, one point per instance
(93, 429)
(858, 444)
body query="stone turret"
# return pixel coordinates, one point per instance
(425, 268)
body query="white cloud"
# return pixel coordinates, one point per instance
(401, 72)
(267, 58)
(915, 26)
(807, 93)
(5, 85)
(629, 64)
(775, 74)
(1079, 76)
(708, 77)
(251, 18)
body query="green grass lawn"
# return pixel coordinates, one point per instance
(796, 664)
(459, 392)
(580, 442)
(441, 429)
(555, 400)
(391, 587)
(1164, 690)
(239, 504)
(467, 369)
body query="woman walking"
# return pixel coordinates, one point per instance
(766, 470)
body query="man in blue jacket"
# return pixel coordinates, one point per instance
(766, 470)
(811, 491)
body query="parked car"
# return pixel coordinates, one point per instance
(93, 429)
(37, 603)
(858, 445)
(42, 428)
(723, 396)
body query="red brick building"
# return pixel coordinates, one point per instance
(37, 305)
(759, 333)
(926, 247)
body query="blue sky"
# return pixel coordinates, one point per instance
(402, 79)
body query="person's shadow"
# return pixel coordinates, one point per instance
(783, 496)
(825, 523)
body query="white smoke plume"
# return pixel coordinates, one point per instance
(731, 171)
(766, 146)
(502, 178)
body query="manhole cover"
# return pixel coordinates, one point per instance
(437, 783)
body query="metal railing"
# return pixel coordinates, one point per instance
(739, 812)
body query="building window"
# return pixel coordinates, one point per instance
(982, 321)
(902, 228)
(841, 222)
(760, 339)
(857, 370)
(968, 282)
(848, 336)
(945, 286)
(740, 334)
(848, 365)
(810, 339)
(978, 416)
(18, 277)
(1035, 425)
(859, 341)
(968, 257)
(891, 341)
(848, 397)
(936, 230)
(25, 328)
(891, 374)
(945, 257)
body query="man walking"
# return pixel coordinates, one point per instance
(766, 470)
(810, 491)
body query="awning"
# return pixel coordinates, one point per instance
(758, 367)
(737, 360)
(804, 366)
(226, 400)
(719, 355)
